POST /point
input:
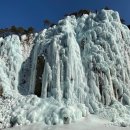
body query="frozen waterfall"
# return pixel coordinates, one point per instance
(78, 67)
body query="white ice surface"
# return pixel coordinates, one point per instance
(82, 66)
(91, 123)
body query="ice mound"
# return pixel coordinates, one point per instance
(78, 67)
(10, 63)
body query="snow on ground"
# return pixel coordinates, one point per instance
(77, 68)
(90, 123)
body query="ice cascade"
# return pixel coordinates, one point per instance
(77, 67)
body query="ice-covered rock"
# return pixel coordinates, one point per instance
(78, 67)
(10, 63)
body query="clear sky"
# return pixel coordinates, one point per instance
(32, 12)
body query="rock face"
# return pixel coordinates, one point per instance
(1, 90)
(77, 66)
(38, 82)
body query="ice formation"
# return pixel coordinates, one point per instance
(78, 67)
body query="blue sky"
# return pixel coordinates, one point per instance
(32, 12)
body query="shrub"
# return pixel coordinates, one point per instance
(47, 23)
(20, 30)
(13, 29)
(30, 30)
(106, 8)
